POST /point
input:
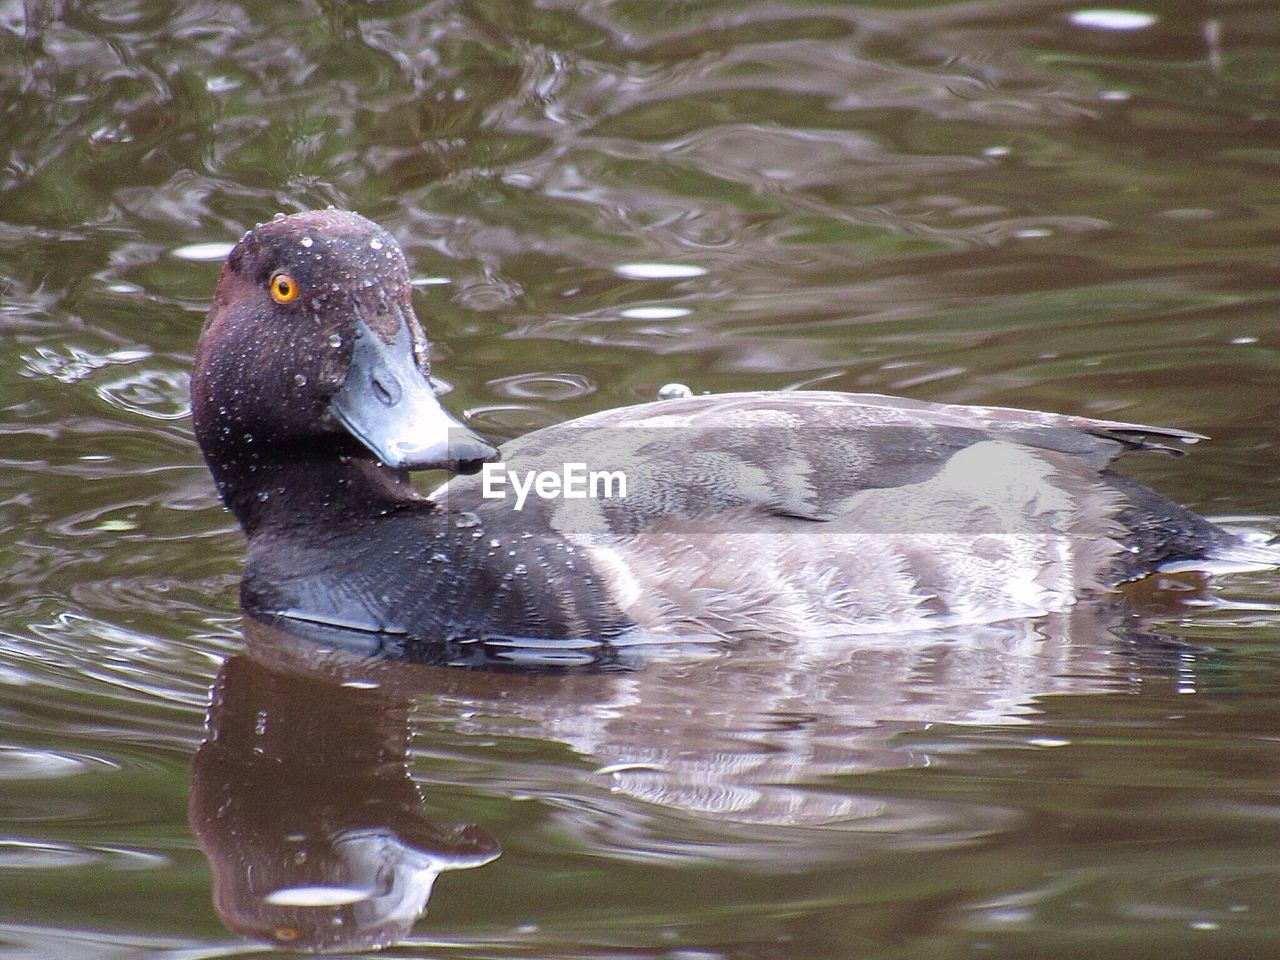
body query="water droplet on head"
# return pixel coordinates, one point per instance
(520, 569)
(278, 216)
(674, 391)
(466, 519)
(300, 379)
(263, 496)
(335, 340)
(375, 244)
(306, 241)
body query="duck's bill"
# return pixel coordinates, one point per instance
(388, 405)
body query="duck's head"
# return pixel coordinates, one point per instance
(312, 351)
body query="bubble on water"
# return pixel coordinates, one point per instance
(202, 251)
(1112, 19)
(655, 313)
(658, 271)
(117, 526)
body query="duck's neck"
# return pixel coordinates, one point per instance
(290, 494)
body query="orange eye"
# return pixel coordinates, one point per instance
(283, 288)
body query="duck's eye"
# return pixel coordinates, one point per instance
(283, 288)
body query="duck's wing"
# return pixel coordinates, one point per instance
(807, 455)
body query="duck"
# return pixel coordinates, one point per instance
(795, 515)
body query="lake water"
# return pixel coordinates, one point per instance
(1026, 203)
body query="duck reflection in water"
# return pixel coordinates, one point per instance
(302, 801)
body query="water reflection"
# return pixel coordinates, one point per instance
(302, 801)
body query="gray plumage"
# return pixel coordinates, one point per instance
(815, 514)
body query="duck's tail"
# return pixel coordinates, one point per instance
(1240, 549)
(1163, 535)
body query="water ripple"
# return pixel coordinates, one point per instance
(156, 394)
(21, 855)
(17, 763)
(70, 364)
(543, 386)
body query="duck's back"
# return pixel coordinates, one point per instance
(820, 514)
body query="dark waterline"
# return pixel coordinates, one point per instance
(1019, 203)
